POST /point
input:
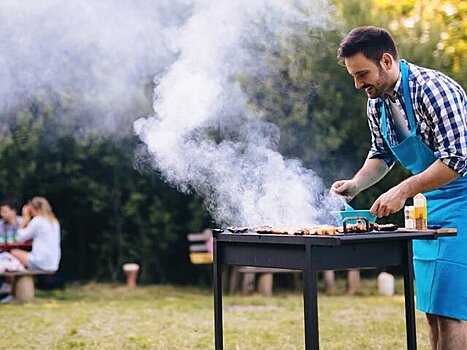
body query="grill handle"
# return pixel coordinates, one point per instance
(367, 223)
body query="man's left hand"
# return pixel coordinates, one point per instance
(390, 202)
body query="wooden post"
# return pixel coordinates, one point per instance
(225, 279)
(353, 281)
(329, 281)
(265, 282)
(248, 283)
(234, 280)
(23, 288)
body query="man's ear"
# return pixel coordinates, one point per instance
(387, 61)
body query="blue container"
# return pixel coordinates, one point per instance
(341, 215)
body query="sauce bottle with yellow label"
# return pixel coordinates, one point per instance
(419, 204)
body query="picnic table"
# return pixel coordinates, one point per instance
(7, 246)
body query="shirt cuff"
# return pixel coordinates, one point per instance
(457, 163)
(389, 159)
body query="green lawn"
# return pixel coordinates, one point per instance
(98, 316)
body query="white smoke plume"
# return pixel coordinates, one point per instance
(94, 57)
(203, 137)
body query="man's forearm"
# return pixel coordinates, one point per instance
(435, 176)
(371, 172)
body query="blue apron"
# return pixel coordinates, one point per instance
(440, 265)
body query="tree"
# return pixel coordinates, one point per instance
(110, 213)
(321, 116)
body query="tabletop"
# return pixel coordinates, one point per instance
(333, 240)
(26, 245)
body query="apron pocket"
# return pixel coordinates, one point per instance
(424, 272)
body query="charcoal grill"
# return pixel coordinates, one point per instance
(315, 253)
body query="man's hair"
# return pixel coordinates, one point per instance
(370, 41)
(9, 203)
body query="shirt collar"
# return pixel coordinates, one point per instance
(397, 88)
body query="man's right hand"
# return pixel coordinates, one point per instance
(371, 172)
(345, 188)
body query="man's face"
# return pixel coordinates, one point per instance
(7, 213)
(367, 75)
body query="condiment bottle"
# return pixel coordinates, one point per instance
(409, 217)
(419, 203)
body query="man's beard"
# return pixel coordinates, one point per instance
(379, 89)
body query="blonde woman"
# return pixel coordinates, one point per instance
(39, 224)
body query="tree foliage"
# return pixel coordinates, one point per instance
(321, 115)
(114, 209)
(429, 33)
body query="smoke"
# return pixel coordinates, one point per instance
(93, 58)
(203, 137)
(95, 61)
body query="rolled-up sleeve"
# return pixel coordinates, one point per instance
(446, 105)
(379, 148)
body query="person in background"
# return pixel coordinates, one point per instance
(417, 116)
(39, 224)
(9, 225)
(10, 221)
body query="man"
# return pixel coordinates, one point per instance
(9, 222)
(9, 225)
(418, 117)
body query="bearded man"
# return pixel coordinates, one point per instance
(417, 116)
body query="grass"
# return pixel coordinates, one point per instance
(100, 316)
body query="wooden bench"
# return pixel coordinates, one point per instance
(201, 247)
(352, 285)
(265, 279)
(23, 286)
(201, 252)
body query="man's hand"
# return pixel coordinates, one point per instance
(390, 202)
(345, 188)
(371, 172)
(435, 176)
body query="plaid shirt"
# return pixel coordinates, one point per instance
(440, 108)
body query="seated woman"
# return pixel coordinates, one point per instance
(39, 224)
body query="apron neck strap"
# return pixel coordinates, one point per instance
(407, 100)
(406, 91)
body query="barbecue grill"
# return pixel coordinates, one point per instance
(314, 253)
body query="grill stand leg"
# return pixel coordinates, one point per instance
(409, 298)
(217, 285)
(310, 301)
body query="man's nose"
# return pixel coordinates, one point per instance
(358, 83)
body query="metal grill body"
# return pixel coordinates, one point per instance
(312, 254)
